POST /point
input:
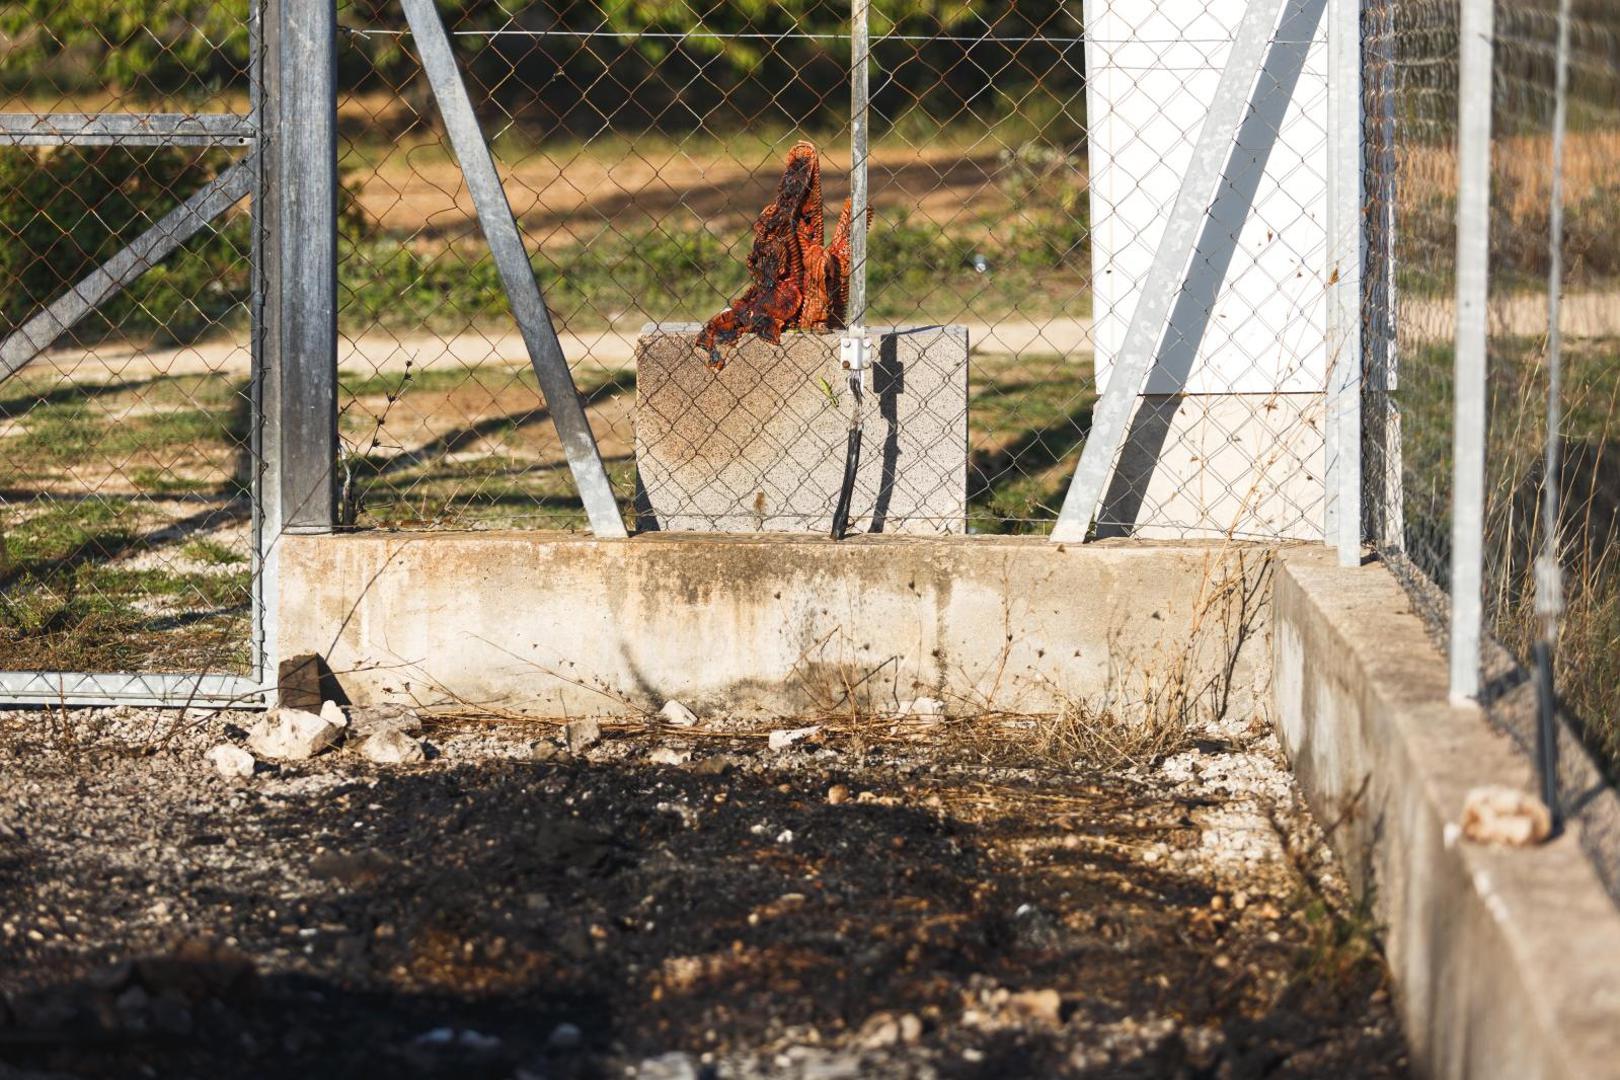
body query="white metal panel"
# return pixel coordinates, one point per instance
(1153, 71)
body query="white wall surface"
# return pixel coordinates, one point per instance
(1253, 320)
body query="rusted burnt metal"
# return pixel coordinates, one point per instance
(798, 280)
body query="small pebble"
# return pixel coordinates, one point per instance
(581, 735)
(231, 762)
(676, 714)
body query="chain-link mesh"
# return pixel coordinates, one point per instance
(126, 407)
(1411, 73)
(636, 151)
(638, 145)
(1588, 474)
(1410, 69)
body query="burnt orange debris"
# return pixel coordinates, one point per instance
(798, 280)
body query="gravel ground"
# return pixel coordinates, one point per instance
(912, 900)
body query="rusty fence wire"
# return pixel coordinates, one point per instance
(127, 431)
(1020, 164)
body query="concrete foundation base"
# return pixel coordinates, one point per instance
(1207, 466)
(1504, 957)
(768, 625)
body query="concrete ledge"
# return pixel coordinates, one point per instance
(1506, 959)
(768, 625)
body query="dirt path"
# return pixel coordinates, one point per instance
(1594, 315)
(871, 901)
(591, 352)
(563, 197)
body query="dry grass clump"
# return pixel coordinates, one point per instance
(1082, 732)
(1153, 710)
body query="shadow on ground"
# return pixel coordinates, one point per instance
(446, 921)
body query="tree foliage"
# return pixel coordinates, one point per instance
(576, 65)
(152, 46)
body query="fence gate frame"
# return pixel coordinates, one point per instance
(289, 173)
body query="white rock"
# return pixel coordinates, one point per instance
(292, 735)
(923, 706)
(1043, 1005)
(233, 762)
(783, 738)
(332, 713)
(665, 755)
(392, 747)
(885, 1029)
(677, 715)
(581, 735)
(1504, 815)
(671, 1066)
(370, 719)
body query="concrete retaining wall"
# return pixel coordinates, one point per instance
(767, 625)
(1507, 960)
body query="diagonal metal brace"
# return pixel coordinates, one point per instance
(36, 335)
(1171, 263)
(517, 275)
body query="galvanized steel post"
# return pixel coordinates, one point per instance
(1473, 284)
(859, 140)
(1346, 258)
(300, 139)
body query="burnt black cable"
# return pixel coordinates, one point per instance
(852, 461)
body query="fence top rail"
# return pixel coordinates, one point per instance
(807, 35)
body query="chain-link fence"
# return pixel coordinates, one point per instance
(1578, 369)
(1025, 170)
(638, 145)
(1547, 360)
(1410, 128)
(127, 433)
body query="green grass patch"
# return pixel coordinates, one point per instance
(214, 553)
(66, 602)
(1029, 263)
(79, 431)
(418, 379)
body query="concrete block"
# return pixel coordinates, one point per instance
(760, 445)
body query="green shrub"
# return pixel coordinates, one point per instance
(64, 211)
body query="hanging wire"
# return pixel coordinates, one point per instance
(1549, 573)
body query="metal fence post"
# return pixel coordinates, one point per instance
(1473, 252)
(1549, 566)
(859, 138)
(300, 120)
(1346, 257)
